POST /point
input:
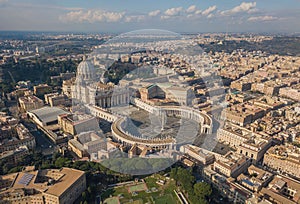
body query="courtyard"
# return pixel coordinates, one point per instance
(143, 191)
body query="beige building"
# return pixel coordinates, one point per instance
(256, 178)
(138, 151)
(284, 159)
(238, 98)
(231, 164)
(55, 99)
(167, 92)
(269, 103)
(236, 116)
(243, 114)
(14, 156)
(136, 58)
(255, 147)
(53, 186)
(226, 186)
(77, 123)
(76, 147)
(67, 87)
(87, 143)
(42, 89)
(241, 85)
(245, 141)
(28, 103)
(204, 156)
(46, 119)
(233, 135)
(282, 190)
(62, 76)
(20, 136)
(290, 92)
(21, 92)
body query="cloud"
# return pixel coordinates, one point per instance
(210, 9)
(92, 16)
(210, 15)
(262, 18)
(248, 7)
(191, 9)
(198, 12)
(154, 13)
(173, 11)
(134, 18)
(252, 11)
(195, 14)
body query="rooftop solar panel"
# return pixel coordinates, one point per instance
(26, 178)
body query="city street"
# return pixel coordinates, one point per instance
(43, 144)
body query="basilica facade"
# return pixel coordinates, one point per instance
(91, 90)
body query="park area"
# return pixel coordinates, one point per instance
(143, 191)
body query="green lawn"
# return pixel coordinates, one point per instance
(140, 201)
(137, 187)
(165, 199)
(165, 194)
(112, 200)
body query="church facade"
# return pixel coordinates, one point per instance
(88, 89)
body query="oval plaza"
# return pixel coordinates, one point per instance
(178, 111)
(88, 92)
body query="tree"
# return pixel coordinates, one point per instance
(83, 195)
(60, 162)
(194, 199)
(202, 190)
(56, 155)
(173, 174)
(184, 178)
(6, 167)
(89, 189)
(46, 165)
(15, 169)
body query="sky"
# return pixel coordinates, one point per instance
(184, 16)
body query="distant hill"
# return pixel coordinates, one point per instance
(279, 45)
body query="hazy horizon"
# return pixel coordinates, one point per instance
(189, 16)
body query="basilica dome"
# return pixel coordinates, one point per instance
(86, 70)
